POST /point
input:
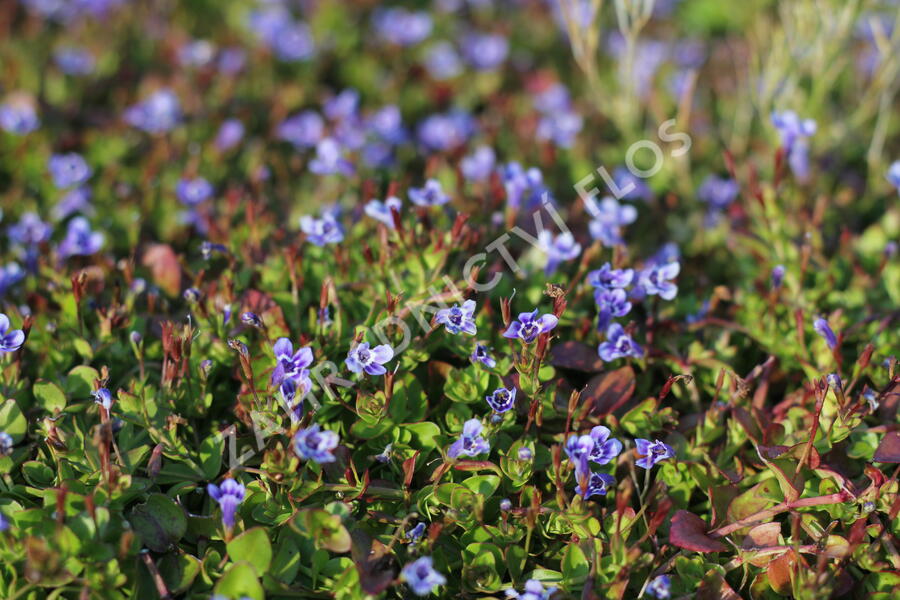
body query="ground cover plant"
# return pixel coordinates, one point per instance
(455, 299)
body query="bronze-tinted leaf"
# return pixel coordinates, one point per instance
(610, 391)
(689, 532)
(889, 448)
(576, 356)
(376, 565)
(164, 268)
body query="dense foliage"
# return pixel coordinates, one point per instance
(461, 299)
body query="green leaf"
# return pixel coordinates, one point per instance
(179, 571)
(485, 485)
(325, 529)
(159, 522)
(211, 455)
(239, 581)
(12, 421)
(254, 547)
(49, 396)
(287, 560)
(80, 381)
(575, 567)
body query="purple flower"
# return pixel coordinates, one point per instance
(325, 230)
(534, 589)
(485, 51)
(478, 165)
(329, 159)
(193, 191)
(196, 53)
(288, 392)
(421, 576)
(483, 356)
(229, 495)
(73, 201)
(6, 448)
(157, 113)
(362, 358)
(608, 278)
(578, 448)
(458, 318)
(343, 106)
(402, 27)
(30, 230)
(598, 484)
(652, 452)
(893, 175)
(315, 444)
(431, 194)
(718, 192)
(387, 124)
(68, 170)
(230, 134)
(232, 60)
(442, 61)
(525, 453)
(10, 275)
(506, 505)
(80, 240)
(208, 249)
(618, 344)
(10, 340)
(608, 218)
(655, 280)
(290, 364)
(416, 532)
(791, 128)
(529, 326)
(252, 319)
(629, 186)
(560, 127)
(303, 130)
(103, 397)
(381, 211)
(604, 449)
(523, 186)
(4, 522)
(660, 587)
(777, 276)
(17, 115)
(561, 248)
(502, 400)
(74, 61)
(821, 327)
(470, 442)
(441, 132)
(293, 42)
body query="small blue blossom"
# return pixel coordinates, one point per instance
(229, 495)
(629, 186)
(534, 590)
(651, 453)
(288, 392)
(484, 51)
(402, 27)
(232, 60)
(442, 132)
(604, 449)
(421, 576)
(561, 248)
(482, 355)
(794, 133)
(578, 448)
(381, 211)
(329, 159)
(431, 194)
(30, 230)
(777, 276)
(230, 134)
(659, 588)
(342, 106)
(608, 219)
(303, 130)
(470, 442)
(821, 327)
(73, 201)
(6, 444)
(656, 280)
(502, 400)
(893, 175)
(80, 240)
(207, 249)
(4, 523)
(529, 326)
(442, 61)
(362, 358)
(560, 127)
(610, 303)
(68, 170)
(10, 275)
(525, 453)
(524, 187)
(252, 319)
(315, 444)
(618, 344)
(193, 191)
(290, 364)
(103, 397)
(157, 113)
(479, 165)
(192, 295)
(17, 115)
(387, 124)
(196, 53)
(322, 231)
(74, 61)
(458, 318)
(416, 532)
(718, 192)
(598, 484)
(608, 278)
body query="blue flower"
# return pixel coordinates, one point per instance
(17, 115)
(289, 390)
(4, 523)
(158, 113)
(608, 219)
(80, 240)
(103, 397)
(534, 590)
(30, 230)
(381, 211)
(458, 318)
(230, 134)
(470, 442)
(416, 532)
(342, 106)
(718, 192)
(290, 364)
(597, 485)
(402, 27)
(6, 444)
(777, 276)
(630, 186)
(478, 165)
(441, 132)
(421, 576)
(229, 495)
(442, 61)
(821, 327)
(660, 587)
(529, 326)
(485, 51)
(362, 358)
(68, 170)
(483, 356)
(608, 278)
(893, 175)
(618, 344)
(525, 453)
(387, 124)
(207, 249)
(578, 448)
(794, 133)
(193, 191)
(322, 231)
(74, 61)
(303, 130)
(655, 280)
(611, 303)
(502, 400)
(329, 159)
(651, 453)
(558, 249)
(73, 201)
(604, 449)
(315, 444)
(523, 186)
(431, 194)
(252, 319)
(506, 505)
(560, 127)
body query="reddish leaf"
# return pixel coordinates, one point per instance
(779, 572)
(376, 565)
(608, 392)
(164, 268)
(889, 448)
(689, 532)
(576, 356)
(714, 587)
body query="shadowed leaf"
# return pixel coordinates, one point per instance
(689, 532)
